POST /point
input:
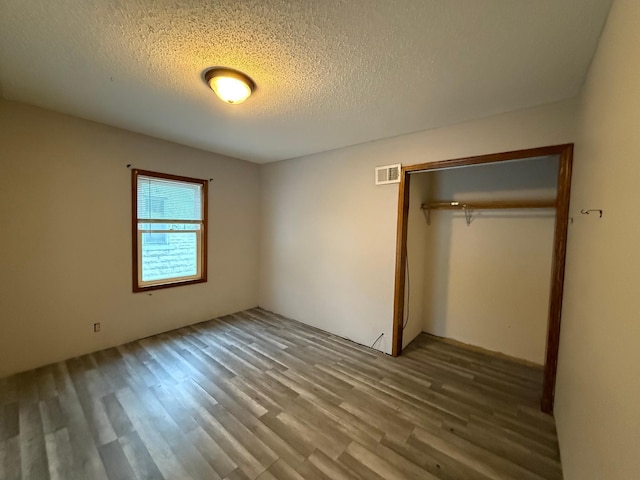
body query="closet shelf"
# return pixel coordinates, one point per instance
(489, 204)
(468, 207)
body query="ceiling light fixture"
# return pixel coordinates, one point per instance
(231, 86)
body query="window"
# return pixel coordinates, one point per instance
(156, 206)
(169, 230)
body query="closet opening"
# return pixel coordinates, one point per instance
(484, 242)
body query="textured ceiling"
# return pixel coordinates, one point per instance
(330, 73)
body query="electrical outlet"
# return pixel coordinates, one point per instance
(96, 327)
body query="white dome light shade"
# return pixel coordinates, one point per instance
(229, 85)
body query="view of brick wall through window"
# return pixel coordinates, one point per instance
(175, 258)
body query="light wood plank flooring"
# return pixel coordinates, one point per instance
(257, 396)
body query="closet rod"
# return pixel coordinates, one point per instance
(489, 205)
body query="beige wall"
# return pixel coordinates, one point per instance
(65, 237)
(329, 234)
(488, 284)
(598, 388)
(417, 236)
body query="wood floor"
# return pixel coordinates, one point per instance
(254, 395)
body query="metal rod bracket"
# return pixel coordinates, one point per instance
(467, 214)
(427, 215)
(587, 212)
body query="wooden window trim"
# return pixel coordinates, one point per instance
(135, 173)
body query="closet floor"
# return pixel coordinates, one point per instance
(255, 395)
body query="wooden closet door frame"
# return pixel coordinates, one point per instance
(565, 153)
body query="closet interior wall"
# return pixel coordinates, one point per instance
(486, 284)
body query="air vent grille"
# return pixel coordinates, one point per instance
(388, 174)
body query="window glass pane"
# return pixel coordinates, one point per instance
(168, 226)
(161, 199)
(175, 256)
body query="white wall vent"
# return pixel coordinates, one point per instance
(388, 174)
